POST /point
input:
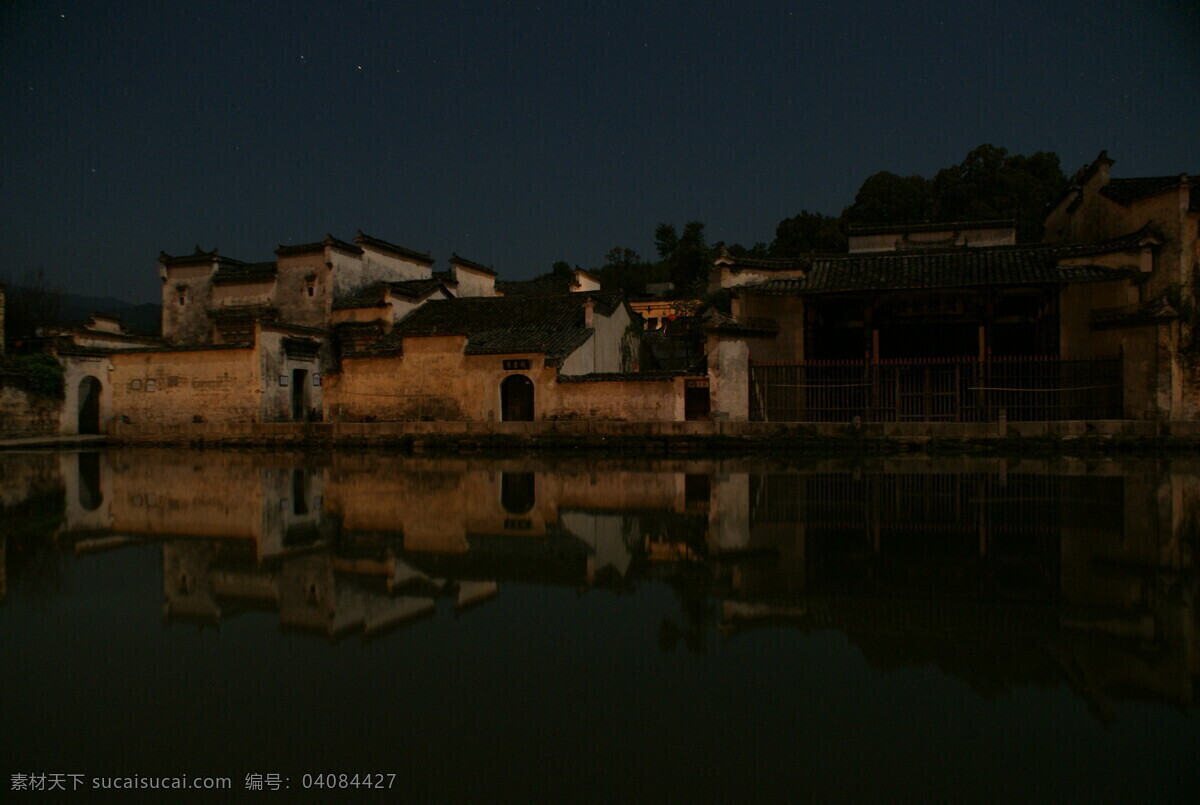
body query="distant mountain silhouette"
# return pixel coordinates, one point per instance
(143, 318)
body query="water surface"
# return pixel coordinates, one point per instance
(552, 629)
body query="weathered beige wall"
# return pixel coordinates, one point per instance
(219, 385)
(1077, 339)
(361, 314)
(99, 340)
(291, 288)
(434, 380)
(585, 282)
(251, 294)
(788, 313)
(23, 413)
(1098, 217)
(276, 364)
(381, 265)
(729, 377)
(75, 370)
(1001, 236)
(750, 276)
(617, 400)
(472, 282)
(187, 323)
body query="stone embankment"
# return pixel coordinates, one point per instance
(669, 437)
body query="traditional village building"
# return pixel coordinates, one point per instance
(949, 321)
(85, 349)
(519, 358)
(955, 321)
(904, 237)
(363, 331)
(1161, 315)
(578, 281)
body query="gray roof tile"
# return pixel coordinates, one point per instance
(958, 268)
(553, 325)
(1126, 191)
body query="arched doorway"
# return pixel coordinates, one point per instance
(90, 493)
(89, 405)
(516, 399)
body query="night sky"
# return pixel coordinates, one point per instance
(520, 133)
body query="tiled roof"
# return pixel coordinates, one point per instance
(555, 344)
(771, 263)
(1125, 243)
(372, 295)
(415, 289)
(305, 248)
(1126, 191)
(929, 226)
(499, 325)
(462, 261)
(198, 257)
(934, 271)
(249, 313)
(544, 286)
(401, 251)
(718, 322)
(367, 296)
(1153, 311)
(357, 326)
(625, 377)
(957, 268)
(229, 273)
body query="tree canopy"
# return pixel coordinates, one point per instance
(808, 232)
(988, 183)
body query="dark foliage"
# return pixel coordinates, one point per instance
(42, 371)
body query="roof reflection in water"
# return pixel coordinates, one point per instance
(1003, 573)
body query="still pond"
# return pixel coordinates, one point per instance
(569, 629)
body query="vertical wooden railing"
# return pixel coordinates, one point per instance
(1027, 388)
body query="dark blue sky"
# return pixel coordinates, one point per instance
(520, 133)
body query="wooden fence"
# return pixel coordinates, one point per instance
(1035, 388)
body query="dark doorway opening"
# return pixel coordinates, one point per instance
(299, 394)
(89, 405)
(928, 340)
(516, 399)
(696, 402)
(299, 493)
(517, 492)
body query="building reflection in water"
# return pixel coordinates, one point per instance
(1003, 573)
